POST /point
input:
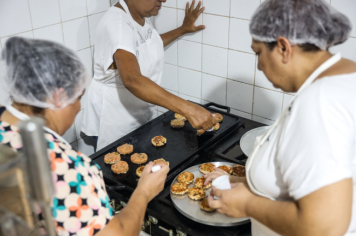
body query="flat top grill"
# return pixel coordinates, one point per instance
(182, 144)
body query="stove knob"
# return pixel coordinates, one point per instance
(180, 233)
(123, 204)
(170, 232)
(153, 220)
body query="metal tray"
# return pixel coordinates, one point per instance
(191, 208)
(182, 145)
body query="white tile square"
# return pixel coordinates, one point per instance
(189, 55)
(28, 34)
(70, 136)
(216, 32)
(170, 3)
(93, 22)
(262, 120)
(170, 77)
(239, 96)
(44, 12)
(76, 34)
(189, 82)
(10, 14)
(347, 49)
(347, 7)
(262, 81)
(182, 3)
(244, 9)
(87, 145)
(189, 98)
(196, 36)
(267, 103)
(171, 53)
(240, 38)
(287, 99)
(71, 9)
(166, 20)
(241, 66)
(85, 58)
(215, 60)
(217, 7)
(78, 123)
(53, 33)
(241, 114)
(96, 6)
(214, 89)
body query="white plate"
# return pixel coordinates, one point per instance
(247, 141)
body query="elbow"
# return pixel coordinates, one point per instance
(129, 82)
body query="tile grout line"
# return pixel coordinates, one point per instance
(29, 9)
(60, 14)
(254, 85)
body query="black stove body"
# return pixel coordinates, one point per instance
(162, 218)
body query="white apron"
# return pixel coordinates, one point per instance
(259, 229)
(111, 111)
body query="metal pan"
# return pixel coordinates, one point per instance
(191, 208)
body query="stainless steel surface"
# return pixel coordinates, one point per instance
(191, 208)
(35, 148)
(247, 141)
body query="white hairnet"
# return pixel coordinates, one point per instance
(300, 21)
(35, 72)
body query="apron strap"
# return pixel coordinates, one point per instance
(326, 65)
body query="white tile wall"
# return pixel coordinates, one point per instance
(69, 22)
(221, 56)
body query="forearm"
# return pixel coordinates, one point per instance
(150, 92)
(170, 36)
(236, 179)
(129, 221)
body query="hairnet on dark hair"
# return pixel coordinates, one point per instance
(300, 21)
(35, 71)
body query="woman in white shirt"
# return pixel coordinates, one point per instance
(301, 176)
(128, 65)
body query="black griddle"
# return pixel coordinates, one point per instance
(180, 150)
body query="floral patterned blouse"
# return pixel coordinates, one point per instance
(80, 204)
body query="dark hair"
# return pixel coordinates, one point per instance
(38, 111)
(306, 47)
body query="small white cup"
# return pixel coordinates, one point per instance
(222, 183)
(155, 168)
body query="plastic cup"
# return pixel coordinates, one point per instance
(155, 168)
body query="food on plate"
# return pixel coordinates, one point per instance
(140, 170)
(200, 132)
(179, 188)
(227, 169)
(112, 158)
(239, 170)
(218, 117)
(199, 183)
(204, 205)
(139, 158)
(125, 149)
(161, 161)
(185, 177)
(120, 167)
(159, 141)
(206, 168)
(180, 117)
(216, 127)
(196, 193)
(177, 123)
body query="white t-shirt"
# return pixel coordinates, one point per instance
(313, 147)
(116, 31)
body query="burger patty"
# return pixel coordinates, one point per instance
(225, 168)
(112, 158)
(125, 149)
(161, 161)
(196, 193)
(199, 183)
(206, 168)
(180, 117)
(179, 188)
(120, 167)
(204, 205)
(218, 117)
(239, 170)
(140, 170)
(185, 177)
(177, 123)
(139, 158)
(159, 141)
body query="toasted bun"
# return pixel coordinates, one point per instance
(185, 177)
(179, 188)
(204, 205)
(161, 161)
(196, 193)
(206, 168)
(125, 149)
(159, 141)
